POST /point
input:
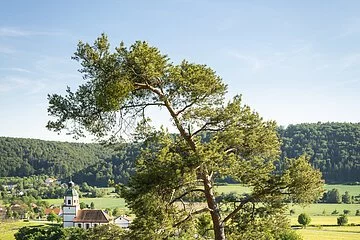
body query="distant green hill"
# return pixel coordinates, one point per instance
(93, 163)
(334, 148)
(23, 157)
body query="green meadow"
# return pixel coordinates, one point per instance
(100, 203)
(323, 224)
(9, 228)
(330, 233)
(324, 208)
(352, 189)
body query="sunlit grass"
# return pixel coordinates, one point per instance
(330, 233)
(100, 203)
(9, 228)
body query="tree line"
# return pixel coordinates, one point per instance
(334, 148)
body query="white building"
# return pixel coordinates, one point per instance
(73, 216)
(122, 221)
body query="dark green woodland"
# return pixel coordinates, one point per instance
(334, 148)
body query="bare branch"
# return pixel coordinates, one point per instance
(204, 127)
(196, 100)
(184, 194)
(206, 209)
(143, 105)
(238, 208)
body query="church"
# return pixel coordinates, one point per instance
(73, 216)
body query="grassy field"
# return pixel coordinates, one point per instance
(324, 208)
(320, 214)
(8, 229)
(324, 220)
(353, 190)
(330, 233)
(238, 188)
(100, 203)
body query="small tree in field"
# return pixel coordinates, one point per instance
(292, 211)
(342, 220)
(304, 219)
(335, 212)
(357, 212)
(346, 212)
(346, 198)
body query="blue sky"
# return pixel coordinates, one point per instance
(293, 61)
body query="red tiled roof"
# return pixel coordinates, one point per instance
(54, 210)
(91, 215)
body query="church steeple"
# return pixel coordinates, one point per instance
(71, 205)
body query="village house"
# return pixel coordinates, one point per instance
(53, 209)
(122, 221)
(73, 216)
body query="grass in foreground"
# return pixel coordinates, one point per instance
(9, 228)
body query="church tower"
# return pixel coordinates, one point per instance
(71, 205)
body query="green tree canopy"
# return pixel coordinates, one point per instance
(304, 219)
(175, 169)
(346, 198)
(342, 220)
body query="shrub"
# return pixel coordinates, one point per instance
(304, 219)
(335, 212)
(357, 213)
(290, 235)
(342, 220)
(346, 212)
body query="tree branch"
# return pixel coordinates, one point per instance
(184, 194)
(238, 208)
(143, 105)
(191, 214)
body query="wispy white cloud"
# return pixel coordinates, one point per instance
(254, 62)
(50, 66)
(25, 85)
(349, 62)
(16, 32)
(6, 50)
(15, 69)
(348, 29)
(263, 60)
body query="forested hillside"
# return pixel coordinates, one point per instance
(23, 157)
(332, 147)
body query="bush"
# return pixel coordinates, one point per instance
(289, 235)
(304, 219)
(346, 212)
(335, 212)
(346, 198)
(292, 211)
(342, 220)
(357, 213)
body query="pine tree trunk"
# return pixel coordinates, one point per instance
(218, 226)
